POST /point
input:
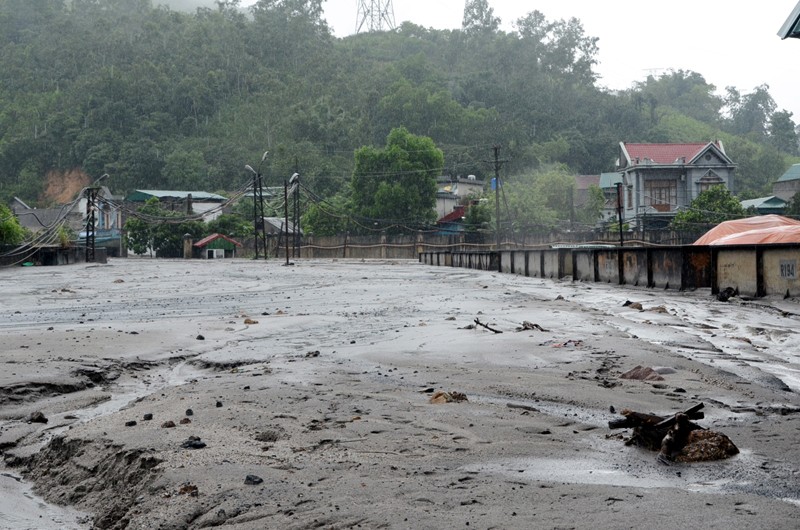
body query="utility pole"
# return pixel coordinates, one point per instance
(258, 207)
(91, 218)
(497, 165)
(294, 184)
(286, 218)
(571, 202)
(619, 212)
(91, 222)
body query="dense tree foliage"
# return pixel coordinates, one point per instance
(164, 99)
(395, 187)
(11, 232)
(154, 229)
(328, 217)
(544, 199)
(711, 207)
(793, 208)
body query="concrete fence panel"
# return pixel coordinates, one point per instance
(736, 268)
(780, 271)
(666, 265)
(607, 266)
(536, 263)
(697, 268)
(635, 266)
(583, 265)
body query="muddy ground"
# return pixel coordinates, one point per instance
(248, 394)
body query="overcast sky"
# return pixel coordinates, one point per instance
(730, 43)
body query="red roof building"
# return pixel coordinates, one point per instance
(658, 180)
(216, 246)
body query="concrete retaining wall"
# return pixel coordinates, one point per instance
(754, 271)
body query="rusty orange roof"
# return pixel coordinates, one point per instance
(762, 236)
(740, 227)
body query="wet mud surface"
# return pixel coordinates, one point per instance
(247, 394)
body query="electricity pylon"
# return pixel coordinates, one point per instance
(377, 15)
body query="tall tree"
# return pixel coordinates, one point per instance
(750, 113)
(683, 90)
(783, 133)
(396, 186)
(479, 18)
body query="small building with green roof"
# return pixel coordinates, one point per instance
(789, 184)
(766, 205)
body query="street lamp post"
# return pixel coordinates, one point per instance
(294, 183)
(258, 206)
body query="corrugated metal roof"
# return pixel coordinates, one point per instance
(456, 215)
(772, 202)
(664, 154)
(793, 173)
(175, 194)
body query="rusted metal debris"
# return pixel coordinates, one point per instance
(676, 437)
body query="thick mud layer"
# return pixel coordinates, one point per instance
(244, 394)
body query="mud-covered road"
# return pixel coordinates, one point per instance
(300, 395)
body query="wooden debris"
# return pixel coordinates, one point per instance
(676, 437)
(478, 322)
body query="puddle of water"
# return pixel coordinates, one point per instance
(573, 471)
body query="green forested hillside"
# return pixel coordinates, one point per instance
(172, 100)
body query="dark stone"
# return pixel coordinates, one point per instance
(37, 417)
(131, 423)
(219, 404)
(168, 424)
(148, 417)
(200, 337)
(253, 480)
(189, 412)
(193, 442)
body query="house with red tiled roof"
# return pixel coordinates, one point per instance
(658, 180)
(215, 246)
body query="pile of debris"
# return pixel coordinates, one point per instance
(676, 437)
